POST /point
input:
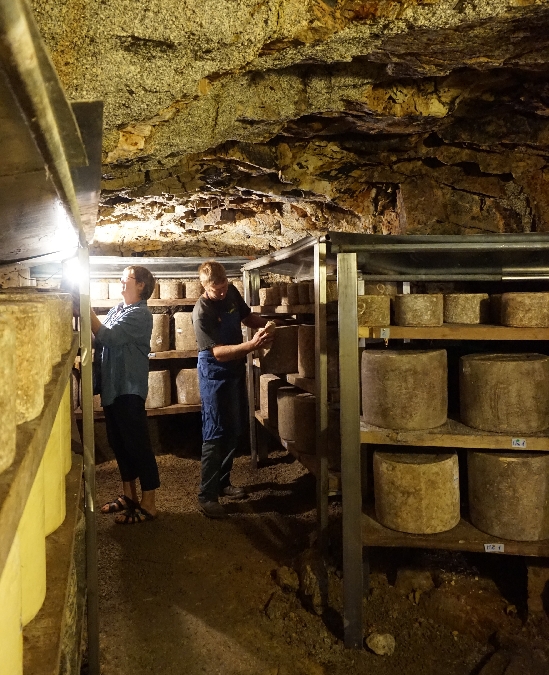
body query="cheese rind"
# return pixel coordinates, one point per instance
(466, 308)
(525, 309)
(160, 337)
(159, 389)
(374, 310)
(419, 310)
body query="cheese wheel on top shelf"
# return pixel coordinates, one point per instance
(303, 292)
(269, 296)
(466, 308)
(419, 310)
(374, 310)
(193, 289)
(292, 292)
(525, 309)
(171, 289)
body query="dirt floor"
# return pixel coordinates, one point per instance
(185, 595)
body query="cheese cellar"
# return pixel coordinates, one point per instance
(274, 316)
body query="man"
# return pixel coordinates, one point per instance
(217, 318)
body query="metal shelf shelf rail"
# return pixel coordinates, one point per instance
(474, 258)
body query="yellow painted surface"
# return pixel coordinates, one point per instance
(32, 541)
(54, 479)
(7, 399)
(11, 635)
(66, 436)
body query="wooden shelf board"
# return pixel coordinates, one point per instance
(451, 331)
(463, 537)
(308, 461)
(152, 302)
(43, 635)
(284, 309)
(31, 440)
(174, 354)
(174, 409)
(453, 435)
(305, 383)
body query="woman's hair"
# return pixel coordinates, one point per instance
(143, 276)
(212, 272)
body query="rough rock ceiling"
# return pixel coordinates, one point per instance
(238, 126)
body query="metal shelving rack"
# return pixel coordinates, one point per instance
(478, 258)
(497, 258)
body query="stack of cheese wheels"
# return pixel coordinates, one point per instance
(525, 309)
(186, 383)
(466, 308)
(160, 336)
(506, 393)
(159, 389)
(306, 351)
(374, 310)
(185, 339)
(297, 418)
(417, 492)
(32, 356)
(171, 289)
(11, 635)
(52, 322)
(404, 389)
(193, 289)
(508, 494)
(32, 540)
(419, 310)
(54, 479)
(281, 357)
(7, 400)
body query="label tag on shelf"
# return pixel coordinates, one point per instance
(385, 333)
(494, 548)
(518, 442)
(152, 355)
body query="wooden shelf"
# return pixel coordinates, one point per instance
(284, 309)
(305, 383)
(44, 635)
(151, 302)
(453, 434)
(31, 440)
(174, 354)
(174, 409)
(308, 461)
(451, 331)
(463, 537)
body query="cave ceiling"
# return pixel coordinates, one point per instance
(239, 126)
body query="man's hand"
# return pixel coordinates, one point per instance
(262, 338)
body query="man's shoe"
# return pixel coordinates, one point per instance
(232, 492)
(212, 509)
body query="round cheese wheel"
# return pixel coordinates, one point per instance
(193, 289)
(306, 351)
(417, 492)
(269, 296)
(292, 291)
(186, 383)
(99, 290)
(374, 310)
(506, 393)
(404, 389)
(508, 494)
(185, 338)
(159, 389)
(419, 310)
(297, 418)
(466, 308)
(170, 289)
(525, 309)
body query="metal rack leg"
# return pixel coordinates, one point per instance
(353, 573)
(89, 465)
(321, 391)
(251, 286)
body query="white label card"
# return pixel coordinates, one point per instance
(385, 333)
(494, 548)
(518, 442)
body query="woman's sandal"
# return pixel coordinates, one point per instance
(133, 517)
(121, 503)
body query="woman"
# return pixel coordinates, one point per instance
(125, 339)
